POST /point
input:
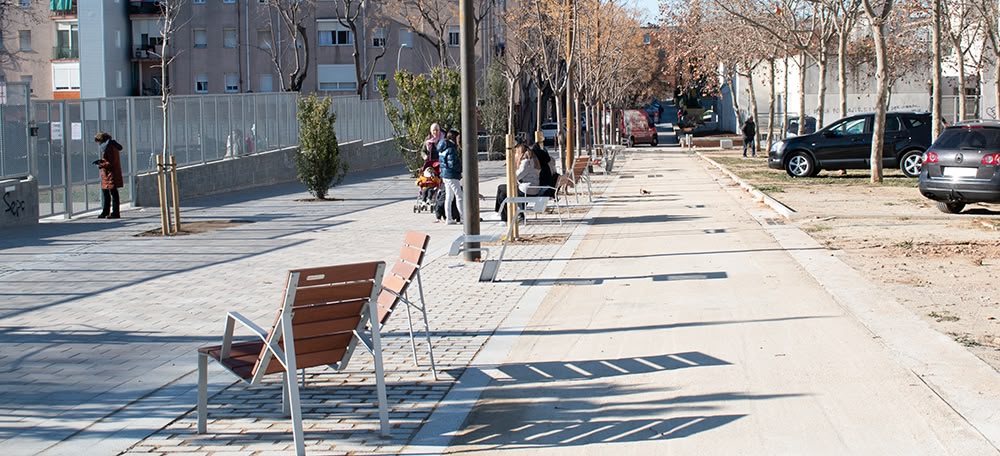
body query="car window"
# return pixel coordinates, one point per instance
(849, 127)
(971, 138)
(913, 122)
(892, 123)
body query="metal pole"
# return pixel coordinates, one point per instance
(398, 53)
(470, 149)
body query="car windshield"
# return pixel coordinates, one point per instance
(969, 138)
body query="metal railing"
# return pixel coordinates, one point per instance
(202, 128)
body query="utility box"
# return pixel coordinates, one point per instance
(726, 143)
(20, 202)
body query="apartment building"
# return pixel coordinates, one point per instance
(217, 46)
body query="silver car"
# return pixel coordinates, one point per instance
(963, 166)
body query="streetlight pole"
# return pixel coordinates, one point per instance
(399, 53)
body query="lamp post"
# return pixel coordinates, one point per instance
(399, 53)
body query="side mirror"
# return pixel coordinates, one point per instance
(830, 134)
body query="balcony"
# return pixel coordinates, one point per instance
(141, 53)
(63, 8)
(65, 52)
(144, 8)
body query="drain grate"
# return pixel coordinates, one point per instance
(625, 176)
(655, 175)
(773, 221)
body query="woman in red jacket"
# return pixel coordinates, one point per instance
(111, 174)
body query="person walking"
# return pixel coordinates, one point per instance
(750, 137)
(111, 174)
(451, 174)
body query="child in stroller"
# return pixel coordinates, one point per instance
(429, 184)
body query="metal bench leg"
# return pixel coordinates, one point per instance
(202, 392)
(427, 326)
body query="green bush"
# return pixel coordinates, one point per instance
(421, 100)
(318, 159)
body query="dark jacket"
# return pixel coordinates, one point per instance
(451, 160)
(111, 166)
(749, 129)
(546, 176)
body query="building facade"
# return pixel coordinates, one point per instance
(216, 46)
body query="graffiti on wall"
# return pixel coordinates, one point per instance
(13, 206)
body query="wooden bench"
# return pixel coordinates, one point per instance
(324, 315)
(395, 288)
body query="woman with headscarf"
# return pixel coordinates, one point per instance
(111, 174)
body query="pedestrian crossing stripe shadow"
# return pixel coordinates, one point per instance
(600, 280)
(591, 369)
(550, 433)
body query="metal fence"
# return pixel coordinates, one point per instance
(203, 128)
(360, 120)
(14, 157)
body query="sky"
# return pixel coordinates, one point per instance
(652, 8)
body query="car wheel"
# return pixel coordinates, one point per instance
(951, 208)
(656, 140)
(800, 165)
(910, 163)
(631, 141)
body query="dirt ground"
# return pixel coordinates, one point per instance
(943, 267)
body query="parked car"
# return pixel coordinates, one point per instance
(846, 144)
(549, 132)
(793, 126)
(963, 166)
(636, 128)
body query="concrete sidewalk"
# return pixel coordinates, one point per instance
(690, 320)
(686, 320)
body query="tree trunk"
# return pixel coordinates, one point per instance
(961, 81)
(882, 76)
(730, 76)
(996, 83)
(803, 59)
(770, 107)
(784, 99)
(842, 71)
(752, 102)
(821, 95)
(560, 132)
(936, 114)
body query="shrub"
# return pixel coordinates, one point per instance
(318, 159)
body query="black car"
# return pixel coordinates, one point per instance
(962, 166)
(846, 144)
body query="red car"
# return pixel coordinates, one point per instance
(636, 128)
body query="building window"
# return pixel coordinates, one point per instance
(232, 82)
(228, 1)
(66, 76)
(201, 83)
(264, 38)
(229, 38)
(25, 3)
(336, 78)
(646, 38)
(331, 33)
(200, 38)
(118, 79)
(67, 41)
(198, 2)
(266, 83)
(406, 37)
(453, 36)
(24, 40)
(378, 38)
(379, 77)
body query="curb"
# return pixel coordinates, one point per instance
(758, 195)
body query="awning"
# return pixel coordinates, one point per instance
(61, 5)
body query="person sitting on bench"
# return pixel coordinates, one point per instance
(535, 172)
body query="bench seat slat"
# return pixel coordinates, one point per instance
(333, 293)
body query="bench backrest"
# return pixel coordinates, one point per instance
(396, 282)
(326, 306)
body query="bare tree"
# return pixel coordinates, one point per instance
(290, 16)
(962, 30)
(845, 18)
(431, 19)
(168, 23)
(349, 14)
(14, 17)
(990, 15)
(879, 13)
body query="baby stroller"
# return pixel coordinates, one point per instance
(429, 184)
